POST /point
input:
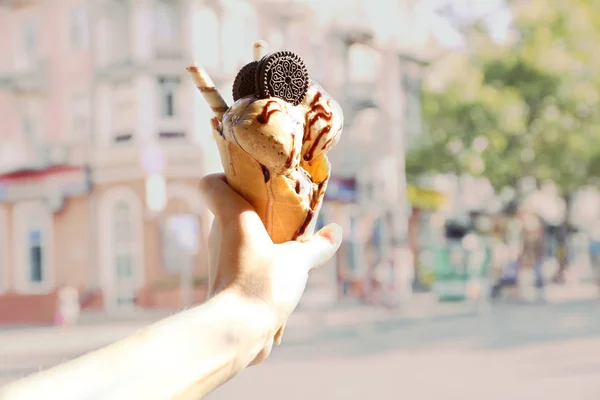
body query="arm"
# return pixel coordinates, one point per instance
(254, 287)
(182, 357)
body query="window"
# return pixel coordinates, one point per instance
(166, 28)
(29, 44)
(79, 35)
(29, 37)
(122, 223)
(169, 87)
(29, 120)
(32, 227)
(27, 125)
(206, 28)
(36, 258)
(121, 240)
(119, 31)
(80, 117)
(180, 238)
(123, 260)
(123, 112)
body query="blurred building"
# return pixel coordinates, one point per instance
(99, 158)
(382, 51)
(103, 137)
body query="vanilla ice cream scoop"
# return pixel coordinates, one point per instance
(281, 136)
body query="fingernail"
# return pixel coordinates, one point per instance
(332, 232)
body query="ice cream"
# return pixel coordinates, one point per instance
(287, 144)
(273, 140)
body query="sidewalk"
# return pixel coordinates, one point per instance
(311, 320)
(25, 350)
(98, 329)
(307, 322)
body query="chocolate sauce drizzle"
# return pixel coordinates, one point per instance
(305, 224)
(311, 212)
(266, 173)
(331, 139)
(309, 154)
(319, 112)
(292, 155)
(265, 115)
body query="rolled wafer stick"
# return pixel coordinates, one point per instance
(208, 90)
(260, 49)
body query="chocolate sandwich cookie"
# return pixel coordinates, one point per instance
(284, 75)
(244, 83)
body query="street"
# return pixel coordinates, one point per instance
(518, 351)
(523, 352)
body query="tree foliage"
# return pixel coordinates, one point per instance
(526, 107)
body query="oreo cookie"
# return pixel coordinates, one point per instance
(284, 75)
(244, 83)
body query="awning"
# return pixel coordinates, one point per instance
(424, 198)
(65, 181)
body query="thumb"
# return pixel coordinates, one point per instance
(221, 199)
(322, 246)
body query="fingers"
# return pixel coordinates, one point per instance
(221, 199)
(279, 335)
(322, 246)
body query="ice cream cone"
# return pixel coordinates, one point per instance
(285, 214)
(273, 152)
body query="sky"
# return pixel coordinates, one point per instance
(495, 13)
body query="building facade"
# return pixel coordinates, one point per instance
(103, 139)
(99, 158)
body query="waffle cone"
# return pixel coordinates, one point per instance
(285, 214)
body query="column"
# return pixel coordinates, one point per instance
(102, 117)
(141, 30)
(188, 10)
(146, 91)
(100, 35)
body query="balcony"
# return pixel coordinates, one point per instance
(165, 62)
(28, 78)
(168, 52)
(182, 159)
(18, 155)
(117, 70)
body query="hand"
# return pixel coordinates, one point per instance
(244, 259)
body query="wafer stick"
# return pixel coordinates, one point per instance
(208, 90)
(260, 49)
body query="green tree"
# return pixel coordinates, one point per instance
(525, 107)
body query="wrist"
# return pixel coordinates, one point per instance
(251, 324)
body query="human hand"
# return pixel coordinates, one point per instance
(244, 259)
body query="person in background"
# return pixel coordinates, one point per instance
(254, 286)
(532, 253)
(511, 248)
(562, 254)
(594, 253)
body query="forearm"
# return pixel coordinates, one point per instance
(190, 353)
